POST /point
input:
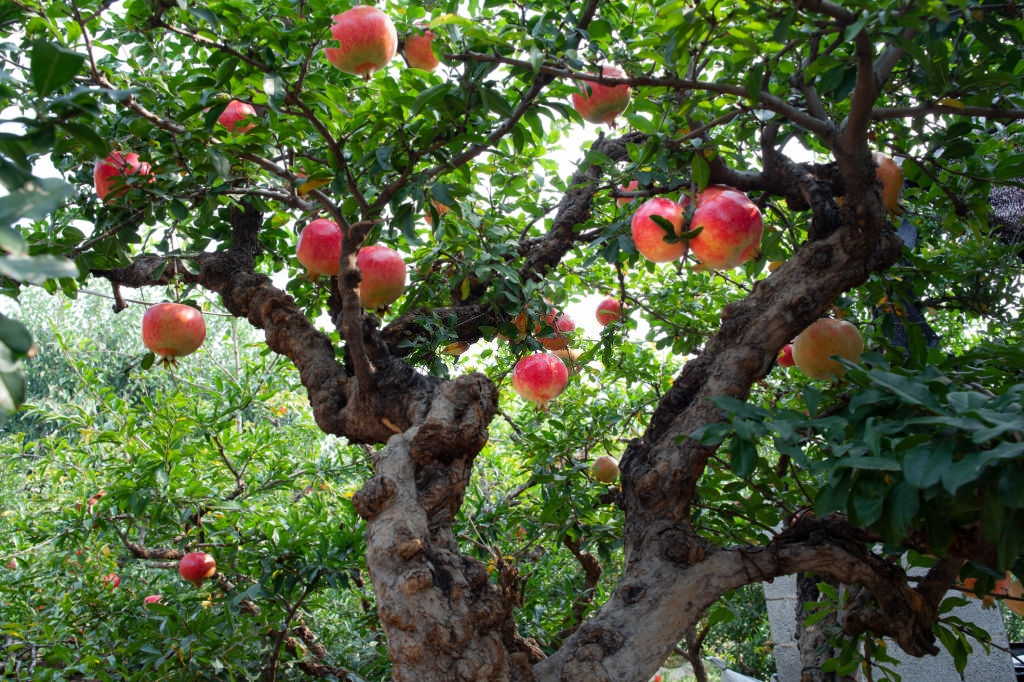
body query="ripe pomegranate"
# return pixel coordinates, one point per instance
(152, 599)
(235, 112)
(383, 271)
(814, 346)
(196, 567)
(631, 186)
(609, 310)
(111, 580)
(571, 358)
(785, 357)
(539, 378)
(111, 173)
(173, 330)
(418, 50)
(710, 192)
(367, 41)
(597, 103)
(732, 229)
(605, 469)
(319, 248)
(649, 236)
(561, 325)
(891, 175)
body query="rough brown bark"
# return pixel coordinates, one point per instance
(445, 620)
(813, 640)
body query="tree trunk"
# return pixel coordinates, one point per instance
(445, 621)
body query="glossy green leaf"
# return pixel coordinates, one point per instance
(53, 66)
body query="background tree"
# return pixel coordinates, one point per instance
(731, 473)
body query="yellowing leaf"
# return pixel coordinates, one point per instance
(310, 185)
(955, 103)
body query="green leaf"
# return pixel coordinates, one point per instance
(743, 457)
(924, 465)
(902, 506)
(429, 95)
(868, 464)
(87, 135)
(442, 193)
(220, 163)
(11, 241)
(905, 388)
(13, 176)
(12, 384)
(856, 27)
(34, 200)
(53, 66)
(274, 88)
(833, 496)
(383, 154)
(15, 335)
(666, 225)
(205, 15)
(37, 269)
(700, 172)
(178, 209)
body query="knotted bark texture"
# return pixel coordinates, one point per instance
(443, 618)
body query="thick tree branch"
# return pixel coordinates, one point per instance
(676, 584)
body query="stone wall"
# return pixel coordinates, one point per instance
(996, 666)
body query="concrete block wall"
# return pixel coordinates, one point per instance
(996, 666)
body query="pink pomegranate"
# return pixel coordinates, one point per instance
(598, 103)
(319, 248)
(539, 378)
(383, 271)
(418, 48)
(113, 171)
(609, 310)
(732, 228)
(234, 113)
(367, 41)
(649, 236)
(173, 330)
(196, 567)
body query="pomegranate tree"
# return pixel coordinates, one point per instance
(173, 330)
(539, 378)
(196, 567)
